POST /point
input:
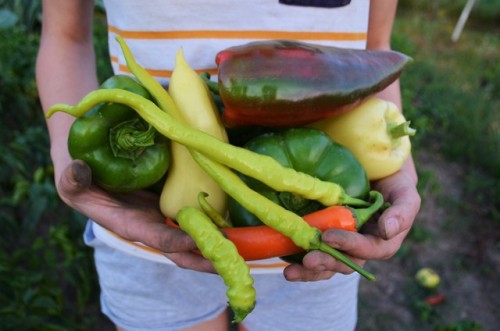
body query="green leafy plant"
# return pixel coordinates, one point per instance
(25, 13)
(47, 278)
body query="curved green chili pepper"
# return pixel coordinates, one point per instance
(261, 167)
(306, 150)
(224, 257)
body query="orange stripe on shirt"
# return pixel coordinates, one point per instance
(162, 73)
(243, 34)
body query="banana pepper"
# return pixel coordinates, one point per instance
(376, 132)
(185, 178)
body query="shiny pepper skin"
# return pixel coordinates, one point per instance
(284, 83)
(376, 132)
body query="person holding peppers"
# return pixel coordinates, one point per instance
(142, 294)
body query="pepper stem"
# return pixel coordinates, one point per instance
(363, 215)
(350, 201)
(212, 86)
(401, 130)
(211, 212)
(129, 139)
(342, 258)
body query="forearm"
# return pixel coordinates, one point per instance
(65, 70)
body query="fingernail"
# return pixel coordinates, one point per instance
(391, 227)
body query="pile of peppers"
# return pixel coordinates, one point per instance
(278, 178)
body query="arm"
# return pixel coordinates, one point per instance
(65, 68)
(379, 240)
(66, 72)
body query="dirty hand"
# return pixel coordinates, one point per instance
(377, 241)
(133, 216)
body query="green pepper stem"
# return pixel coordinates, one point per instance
(211, 212)
(212, 86)
(350, 201)
(401, 130)
(342, 258)
(363, 215)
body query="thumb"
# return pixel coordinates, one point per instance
(75, 179)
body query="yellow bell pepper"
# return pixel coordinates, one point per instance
(185, 179)
(376, 132)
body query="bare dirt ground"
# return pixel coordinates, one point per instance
(454, 238)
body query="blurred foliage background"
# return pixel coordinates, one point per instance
(47, 278)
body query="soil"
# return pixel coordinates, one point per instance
(455, 239)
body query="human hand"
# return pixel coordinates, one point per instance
(377, 241)
(133, 216)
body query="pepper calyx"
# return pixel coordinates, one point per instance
(129, 138)
(363, 215)
(401, 130)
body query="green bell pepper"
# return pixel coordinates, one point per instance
(307, 150)
(124, 152)
(285, 83)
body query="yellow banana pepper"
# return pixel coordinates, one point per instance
(376, 132)
(185, 179)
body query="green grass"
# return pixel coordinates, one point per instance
(451, 91)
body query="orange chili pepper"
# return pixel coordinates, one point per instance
(262, 242)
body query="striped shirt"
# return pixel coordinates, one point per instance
(156, 29)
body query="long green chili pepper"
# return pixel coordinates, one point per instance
(273, 215)
(261, 167)
(224, 257)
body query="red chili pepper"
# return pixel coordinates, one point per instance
(262, 242)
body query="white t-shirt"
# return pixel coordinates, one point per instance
(155, 29)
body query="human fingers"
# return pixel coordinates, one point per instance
(359, 248)
(191, 261)
(133, 216)
(363, 246)
(75, 179)
(299, 272)
(317, 265)
(402, 213)
(401, 192)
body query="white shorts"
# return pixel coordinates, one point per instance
(142, 295)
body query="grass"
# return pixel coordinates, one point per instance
(451, 92)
